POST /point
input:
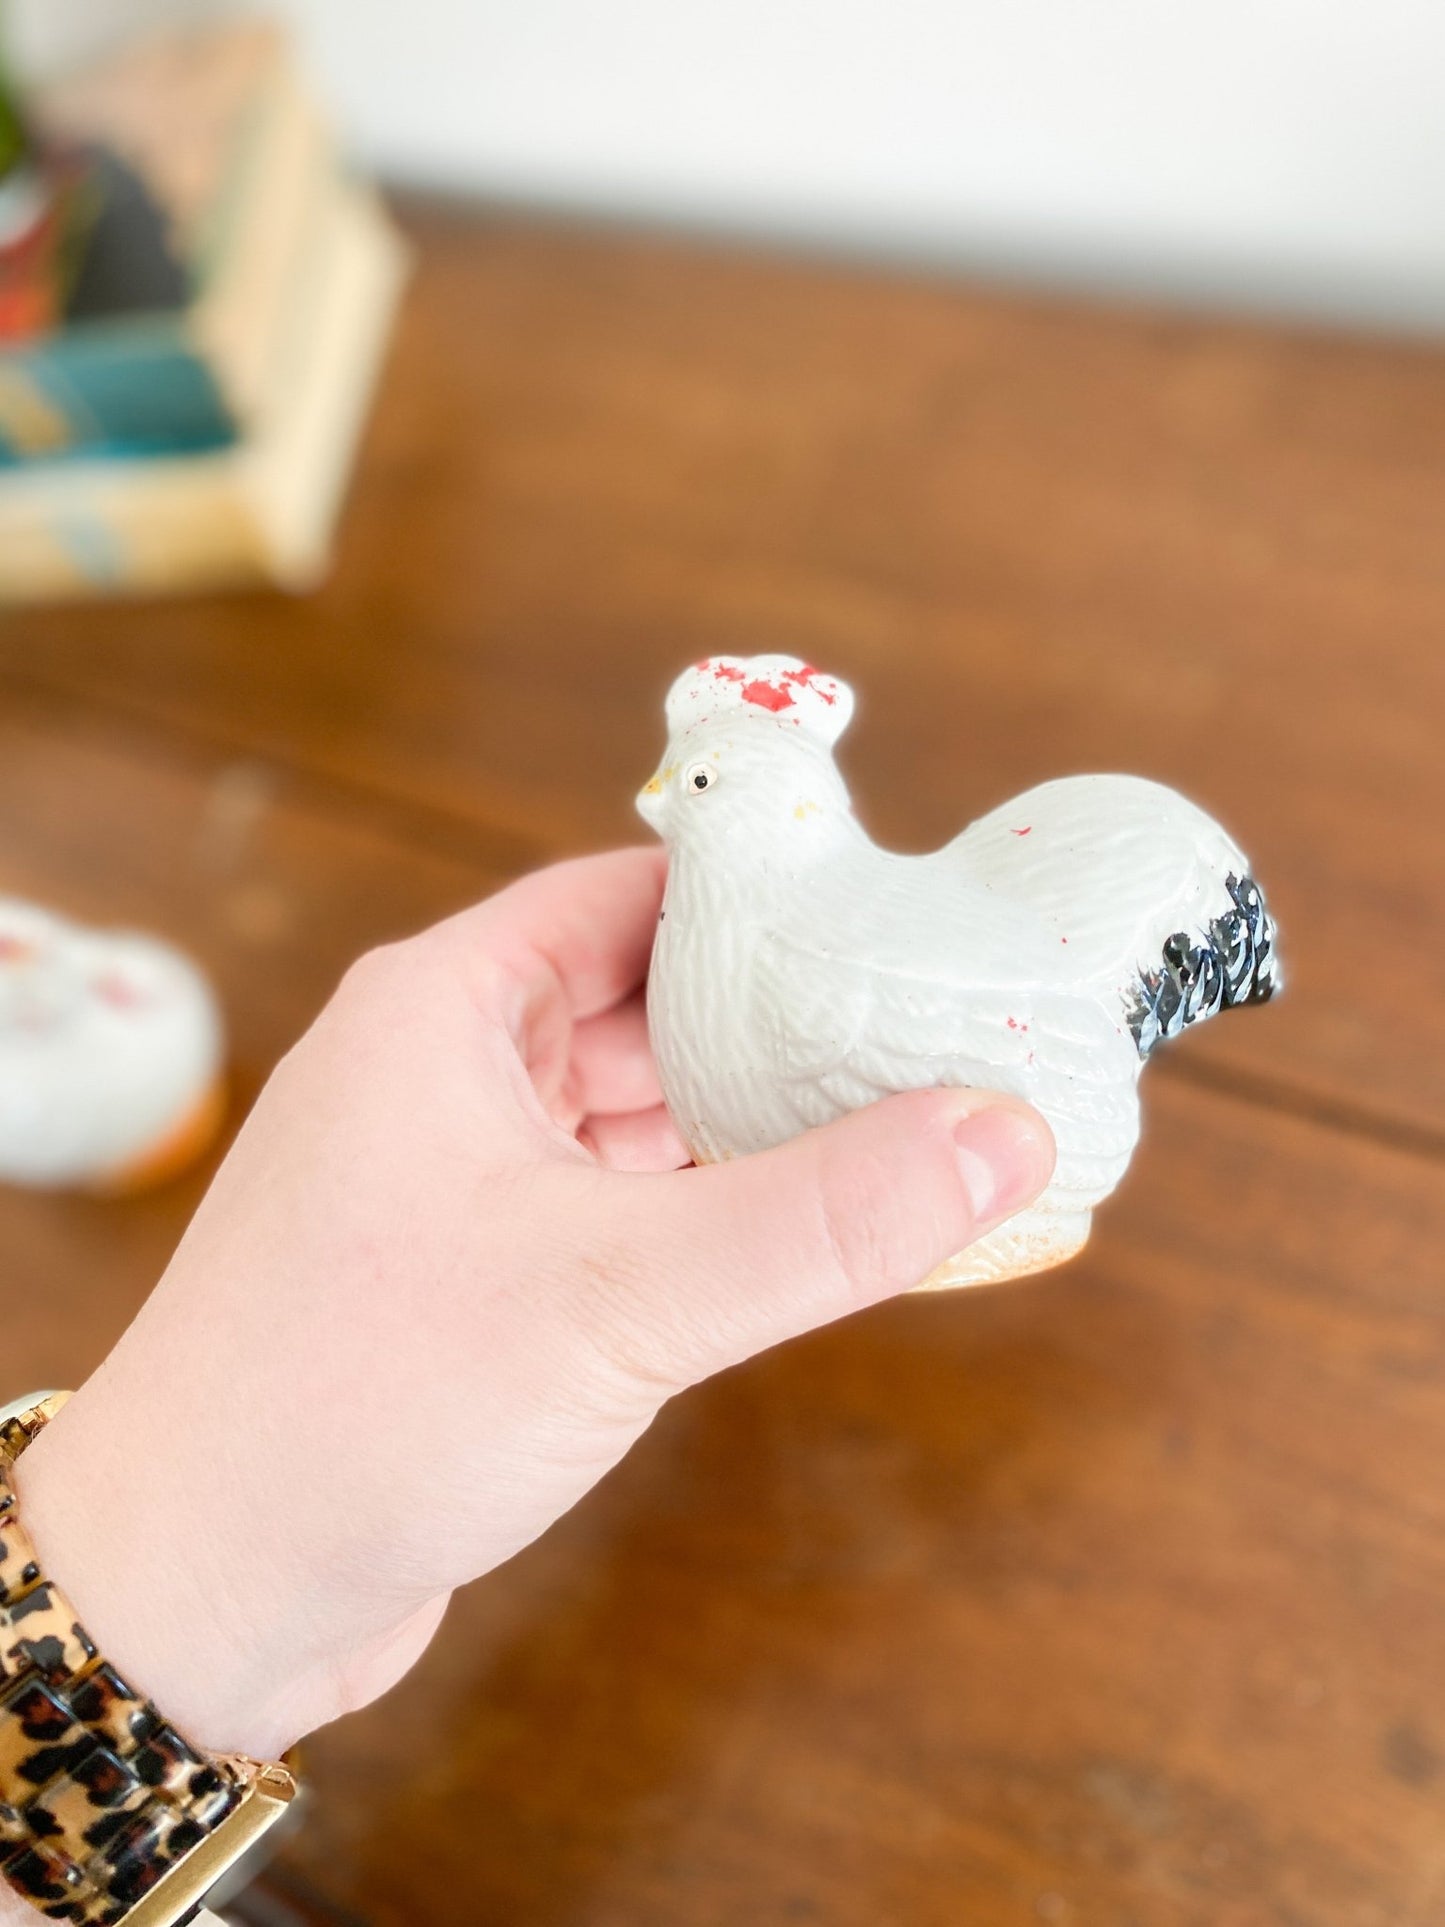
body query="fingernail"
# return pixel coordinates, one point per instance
(1004, 1158)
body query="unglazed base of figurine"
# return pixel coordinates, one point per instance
(800, 971)
(1033, 1241)
(185, 1144)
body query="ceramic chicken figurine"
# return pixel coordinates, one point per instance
(799, 971)
(110, 1055)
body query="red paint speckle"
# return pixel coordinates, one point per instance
(1024, 831)
(728, 672)
(1063, 940)
(118, 992)
(767, 695)
(1013, 1023)
(804, 678)
(14, 950)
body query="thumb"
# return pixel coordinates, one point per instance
(735, 1257)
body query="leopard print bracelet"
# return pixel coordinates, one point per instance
(100, 1797)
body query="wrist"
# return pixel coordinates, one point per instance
(173, 1554)
(144, 1564)
(109, 1811)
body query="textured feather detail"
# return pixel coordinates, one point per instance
(850, 1030)
(1116, 864)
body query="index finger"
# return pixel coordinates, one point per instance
(585, 926)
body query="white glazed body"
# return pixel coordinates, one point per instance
(109, 1041)
(800, 971)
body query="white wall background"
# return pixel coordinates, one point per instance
(1281, 154)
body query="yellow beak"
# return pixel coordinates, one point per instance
(649, 800)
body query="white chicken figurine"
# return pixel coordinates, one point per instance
(111, 1055)
(800, 971)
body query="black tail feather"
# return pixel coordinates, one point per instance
(1233, 963)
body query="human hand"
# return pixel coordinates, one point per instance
(447, 1274)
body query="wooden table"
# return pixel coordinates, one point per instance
(1113, 1597)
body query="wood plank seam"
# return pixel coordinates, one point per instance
(443, 831)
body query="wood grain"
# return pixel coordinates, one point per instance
(1041, 539)
(1109, 1599)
